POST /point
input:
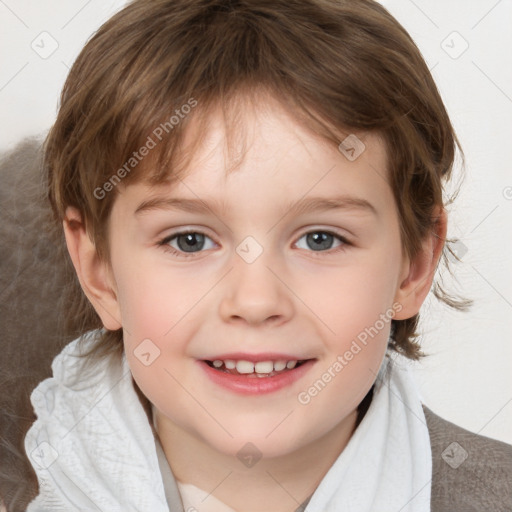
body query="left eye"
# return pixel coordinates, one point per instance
(322, 240)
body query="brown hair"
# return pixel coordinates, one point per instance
(337, 66)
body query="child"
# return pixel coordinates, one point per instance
(252, 198)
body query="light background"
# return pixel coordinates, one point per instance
(467, 378)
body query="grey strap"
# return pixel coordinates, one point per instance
(172, 494)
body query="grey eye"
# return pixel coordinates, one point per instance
(188, 242)
(319, 240)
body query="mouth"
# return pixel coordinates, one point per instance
(260, 369)
(245, 377)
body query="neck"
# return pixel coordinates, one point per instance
(285, 481)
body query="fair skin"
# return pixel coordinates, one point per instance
(295, 298)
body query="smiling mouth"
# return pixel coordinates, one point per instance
(261, 369)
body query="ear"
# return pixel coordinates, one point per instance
(417, 275)
(94, 275)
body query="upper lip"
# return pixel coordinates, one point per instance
(254, 358)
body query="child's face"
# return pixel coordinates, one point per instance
(257, 287)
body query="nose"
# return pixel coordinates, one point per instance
(256, 293)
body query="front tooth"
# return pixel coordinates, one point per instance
(264, 367)
(244, 367)
(230, 364)
(217, 363)
(279, 365)
(291, 364)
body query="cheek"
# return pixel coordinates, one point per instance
(350, 299)
(156, 308)
(153, 301)
(355, 306)
(359, 323)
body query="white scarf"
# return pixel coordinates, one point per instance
(93, 448)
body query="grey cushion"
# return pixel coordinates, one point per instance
(32, 296)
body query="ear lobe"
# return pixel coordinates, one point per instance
(418, 274)
(94, 275)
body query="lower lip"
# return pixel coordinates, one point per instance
(244, 385)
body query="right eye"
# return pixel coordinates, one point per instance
(186, 243)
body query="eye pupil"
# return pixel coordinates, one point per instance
(191, 241)
(320, 239)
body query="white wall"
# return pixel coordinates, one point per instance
(468, 377)
(30, 85)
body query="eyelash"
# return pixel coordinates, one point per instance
(164, 243)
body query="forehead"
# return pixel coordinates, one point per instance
(261, 118)
(263, 152)
(260, 128)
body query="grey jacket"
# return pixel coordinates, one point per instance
(470, 473)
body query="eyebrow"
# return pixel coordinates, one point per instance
(303, 206)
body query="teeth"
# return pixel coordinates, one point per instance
(279, 365)
(260, 368)
(264, 367)
(244, 367)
